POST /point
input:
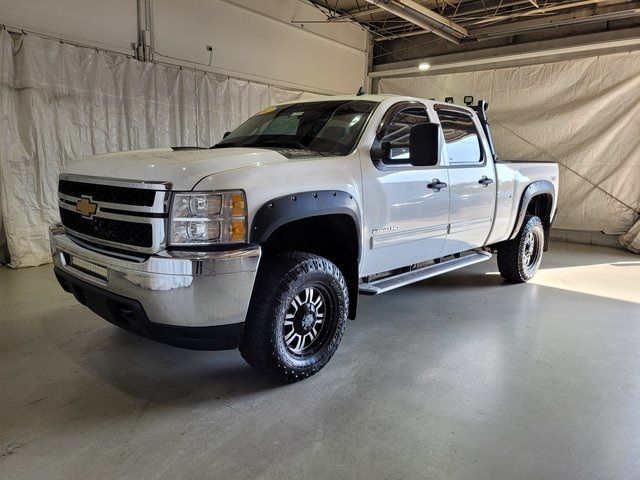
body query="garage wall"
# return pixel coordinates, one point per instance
(109, 24)
(583, 113)
(247, 43)
(251, 40)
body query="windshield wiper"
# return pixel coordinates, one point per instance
(272, 145)
(224, 145)
(289, 146)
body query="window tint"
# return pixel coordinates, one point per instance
(460, 136)
(398, 131)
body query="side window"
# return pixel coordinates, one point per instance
(397, 134)
(461, 137)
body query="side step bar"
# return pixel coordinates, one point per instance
(400, 280)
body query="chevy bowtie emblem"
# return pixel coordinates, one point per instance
(86, 207)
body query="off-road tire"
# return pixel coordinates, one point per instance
(514, 263)
(282, 281)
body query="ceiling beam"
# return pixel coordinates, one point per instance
(514, 55)
(371, 28)
(537, 11)
(482, 7)
(419, 18)
(581, 16)
(358, 12)
(514, 28)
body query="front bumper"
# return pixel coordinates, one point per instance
(185, 298)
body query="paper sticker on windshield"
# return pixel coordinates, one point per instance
(267, 110)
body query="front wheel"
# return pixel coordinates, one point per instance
(297, 316)
(519, 259)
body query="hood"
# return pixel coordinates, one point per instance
(183, 168)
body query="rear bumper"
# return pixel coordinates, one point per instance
(188, 299)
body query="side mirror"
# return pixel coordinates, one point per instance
(424, 144)
(225, 135)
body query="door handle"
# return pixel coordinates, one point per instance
(484, 181)
(436, 185)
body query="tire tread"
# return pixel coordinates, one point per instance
(276, 277)
(509, 259)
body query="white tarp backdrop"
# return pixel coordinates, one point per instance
(584, 114)
(60, 102)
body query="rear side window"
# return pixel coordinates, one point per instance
(398, 131)
(461, 137)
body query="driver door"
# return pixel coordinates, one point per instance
(406, 207)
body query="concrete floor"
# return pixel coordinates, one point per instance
(458, 377)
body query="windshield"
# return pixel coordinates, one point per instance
(330, 128)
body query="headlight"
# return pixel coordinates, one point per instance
(200, 218)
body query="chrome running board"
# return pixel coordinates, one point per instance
(400, 280)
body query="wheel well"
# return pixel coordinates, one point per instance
(540, 206)
(334, 237)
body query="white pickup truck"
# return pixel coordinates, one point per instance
(264, 241)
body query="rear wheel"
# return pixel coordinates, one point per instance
(297, 316)
(519, 259)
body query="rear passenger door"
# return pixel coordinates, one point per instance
(472, 180)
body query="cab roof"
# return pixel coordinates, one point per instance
(378, 98)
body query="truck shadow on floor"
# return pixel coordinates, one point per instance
(152, 372)
(164, 374)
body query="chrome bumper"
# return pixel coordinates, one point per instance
(184, 289)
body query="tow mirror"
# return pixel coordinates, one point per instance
(424, 144)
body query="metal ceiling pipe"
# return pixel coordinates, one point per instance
(437, 18)
(395, 36)
(416, 18)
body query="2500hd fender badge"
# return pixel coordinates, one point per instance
(384, 229)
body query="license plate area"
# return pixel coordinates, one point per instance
(88, 267)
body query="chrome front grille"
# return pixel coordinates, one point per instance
(125, 214)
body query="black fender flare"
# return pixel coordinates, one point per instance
(297, 206)
(302, 205)
(535, 188)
